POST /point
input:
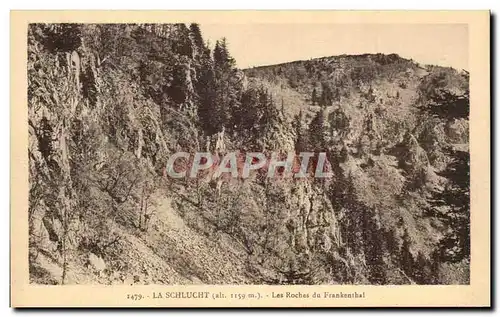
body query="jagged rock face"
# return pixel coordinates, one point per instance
(103, 125)
(383, 147)
(83, 107)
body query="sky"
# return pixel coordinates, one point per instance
(266, 44)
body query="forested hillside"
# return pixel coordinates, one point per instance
(110, 103)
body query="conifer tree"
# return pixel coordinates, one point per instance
(205, 83)
(452, 205)
(317, 131)
(326, 95)
(374, 250)
(228, 86)
(300, 132)
(196, 37)
(314, 96)
(181, 44)
(406, 257)
(422, 273)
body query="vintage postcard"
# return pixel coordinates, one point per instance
(250, 159)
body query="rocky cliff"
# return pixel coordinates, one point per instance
(108, 104)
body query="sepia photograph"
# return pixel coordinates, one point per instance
(202, 153)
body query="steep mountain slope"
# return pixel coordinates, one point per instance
(109, 104)
(102, 120)
(368, 110)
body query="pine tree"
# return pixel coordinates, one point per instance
(422, 270)
(249, 111)
(181, 44)
(452, 205)
(205, 83)
(374, 249)
(326, 95)
(317, 132)
(261, 120)
(228, 86)
(449, 106)
(406, 257)
(64, 37)
(196, 37)
(176, 90)
(258, 116)
(222, 59)
(314, 97)
(270, 113)
(207, 97)
(300, 133)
